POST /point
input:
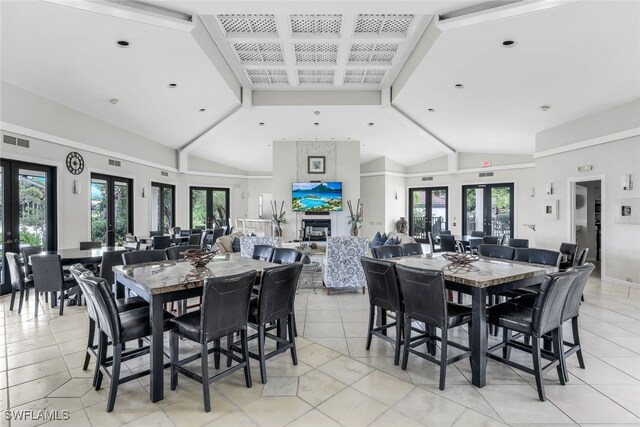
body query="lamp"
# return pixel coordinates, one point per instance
(549, 188)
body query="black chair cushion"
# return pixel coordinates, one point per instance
(125, 304)
(512, 315)
(235, 245)
(188, 325)
(136, 323)
(458, 314)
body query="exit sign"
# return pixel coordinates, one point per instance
(486, 164)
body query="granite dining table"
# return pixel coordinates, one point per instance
(486, 276)
(162, 282)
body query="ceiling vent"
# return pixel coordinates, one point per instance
(114, 162)
(383, 24)
(23, 143)
(363, 77)
(324, 25)
(372, 53)
(485, 174)
(259, 53)
(164, 173)
(316, 77)
(427, 178)
(316, 53)
(248, 24)
(267, 76)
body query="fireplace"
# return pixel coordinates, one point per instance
(316, 229)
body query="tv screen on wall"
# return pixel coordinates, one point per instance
(316, 196)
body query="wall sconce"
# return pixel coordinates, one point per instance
(395, 195)
(76, 186)
(627, 184)
(243, 195)
(549, 188)
(533, 192)
(143, 193)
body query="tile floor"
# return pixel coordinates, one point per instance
(337, 382)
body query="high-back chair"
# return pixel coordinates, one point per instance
(490, 240)
(432, 243)
(18, 284)
(195, 239)
(141, 257)
(519, 243)
(389, 251)
(445, 232)
(342, 268)
(582, 257)
(110, 260)
(570, 250)
(447, 243)
(175, 252)
(27, 251)
(384, 293)
(538, 256)
(410, 249)
(48, 277)
(262, 252)
(477, 233)
(161, 242)
(285, 255)
(496, 251)
(156, 233)
(90, 245)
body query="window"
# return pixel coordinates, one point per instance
(209, 207)
(163, 206)
(428, 211)
(111, 209)
(488, 207)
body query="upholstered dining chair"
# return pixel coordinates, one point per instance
(342, 268)
(48, 277)
(388, 251)
(18, 284)
(410, 249)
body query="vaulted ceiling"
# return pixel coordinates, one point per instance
(247, 73)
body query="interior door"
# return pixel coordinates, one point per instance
(111, 209)
(489, 208)
(27, 211)
(428, 211)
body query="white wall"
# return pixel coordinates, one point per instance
(256, 188)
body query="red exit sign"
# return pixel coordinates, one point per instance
(486, 164)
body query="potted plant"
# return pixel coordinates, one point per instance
(277, 217)
(356, 218)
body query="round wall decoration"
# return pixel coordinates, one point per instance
(75, 163)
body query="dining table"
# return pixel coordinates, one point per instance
(162, 282)
(481, 278)
(80, 256)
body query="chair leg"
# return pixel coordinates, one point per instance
(37, 301)
(245, 356)
(90, 339)
(576, 340)
(292, 339)
(115, 374)
(383, 320)
(13, 298)
(174, 350)
(407, 341)
(26, 293)
(21, 301)
(396, 356)
(295, 326)
(54, 299)
(102, 356)
(204, 363)
(229, 342)
(443, 359)
(216, 353)
(372, 316)
(263, 367)
(62, 305)
(506, 338)
(558, 353)
(537, 367)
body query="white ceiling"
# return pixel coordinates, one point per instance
(579, 58)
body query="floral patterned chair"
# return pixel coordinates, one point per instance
(342, 267)
(248, 242)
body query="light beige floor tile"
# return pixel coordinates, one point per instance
(356, 329)
(36, 389)
(323, 316)
(422, 371)
(385, 364)
(235, 389)
(379, 348)
(393, 418)
(316, 355)
(323, 330)
(156, 419)
(598, 372)
(236, 418)
(352, 408)
(422, 405)
(276, 411)
(281, 386)
(383, 387)
(75, 387)
(346, 369)
(188, 411)
(76, 419)
(628, 396)
(128, 407)
(313, 418)
(465, 395)
(315, 387)
(282, 366)
(522, 405)
(358, 316)
(336, 344)
(628, 365)
(470, 418)
(36, 370)
(31, 357)
(4, 399)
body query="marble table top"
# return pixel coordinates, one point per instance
(484, 273)
(172, 276)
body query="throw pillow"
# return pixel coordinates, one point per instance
(384, 237)
(226, 242)
(236, 245)
(391, 242)
(377, 240)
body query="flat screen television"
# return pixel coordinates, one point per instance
(316, 196)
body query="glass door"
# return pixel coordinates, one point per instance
(163, 206)
(428, 211)
(27, 210)
(488, 207)
(111, 209)
(209, 207)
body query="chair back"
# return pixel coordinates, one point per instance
(519, 243)
(475, 242)
(248, 242)
(185, 233)
(389, 251)
(16, 273)
(477, 233)
(225, 305)
(99, 293)
(447, 243)
(538, 256)
(286, 255)
(218, 232)
(572, 306)
(460, 247)
(496, 251)
(445, 232)
(423, 295)
(194, 239)
(140, 257)
(549, 303)
(229, 231)
(582, 258)
(27, 251)
(157, 233)
(432, 243)
(571, 251)
(491, 240)
(161, 242)
(90, 245)
(502, 239)
(175, 252)
(78, 270)
(175, 231)
(382, 282)
(262, 252)
(47, 273)
(342, 267)
(110, 260)
(412, 248)
(278, 291)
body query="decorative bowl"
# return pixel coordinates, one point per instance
(198, 257)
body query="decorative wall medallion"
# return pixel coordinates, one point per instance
(75, 163)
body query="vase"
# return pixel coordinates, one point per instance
(354, 230)
(305, 259)
(401, 225)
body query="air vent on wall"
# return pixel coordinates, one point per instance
(483, 174)
(23, 143)
(427, 178)
(114, 162)
(163, 173)
(12, 140)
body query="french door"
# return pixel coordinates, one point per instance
(428, 211)
(163, 206)
(488, 207)
(111, 209)
(27, 210)
(209, 207)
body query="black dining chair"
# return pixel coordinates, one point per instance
(537, 320)
(519, 243)
(445, 232)
(285, 256)
(225, 304)
(175, 252)
(447, 243)
(432, 243)
(411, 249)
(48, 277)
(141, 257)
(496, 251)
(582, 257)
(90, 245)
(185, 233)
(18, 284)
(109, 260)
(195, 239)
(26, 252)
(389, 251)
(538, 256)
(424, 297)
(384, 295)
(262, 252)
(161, 242)
(502, 239)
(490, 240)
(274, 304)
(460, 247)
(474, 243)
(477, 233)
(570, 251)
(156, 233)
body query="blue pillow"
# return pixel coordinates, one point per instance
(383, 237)
(377, 240)
(236, 245)
(391, 241)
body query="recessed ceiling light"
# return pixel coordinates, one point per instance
(431, 110)
(545, 108)
(261, 123)
(317, 113)
(173, 85)
(114, 101)
(370, 124)
(123, 43)
(202, 110)
(459, 86)
(316, 124)
(508, 43)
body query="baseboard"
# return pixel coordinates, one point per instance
(619, 282)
